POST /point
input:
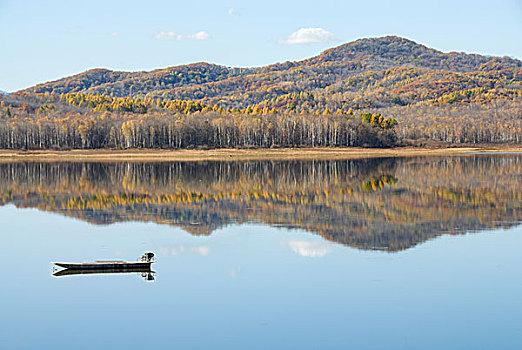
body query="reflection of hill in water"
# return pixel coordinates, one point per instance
(387, 204)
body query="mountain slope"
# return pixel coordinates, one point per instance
(105, 81)
(367, 73)
(392, 51)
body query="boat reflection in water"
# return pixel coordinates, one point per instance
(143, 267)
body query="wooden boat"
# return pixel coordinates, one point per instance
(105, 265)
(71, 272)
(144, 263)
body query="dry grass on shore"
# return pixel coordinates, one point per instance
(240, 154)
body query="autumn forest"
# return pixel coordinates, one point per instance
(380, 92)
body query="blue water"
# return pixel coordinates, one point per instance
(252, 286)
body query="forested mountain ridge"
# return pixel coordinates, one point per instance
(379, 92)
(367, 73)
(392, 51)
(105, 81)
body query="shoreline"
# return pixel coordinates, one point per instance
(244, 154)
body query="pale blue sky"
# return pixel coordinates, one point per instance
(46, 40)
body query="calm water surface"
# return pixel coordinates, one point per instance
(402, 253)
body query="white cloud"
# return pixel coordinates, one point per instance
(233, 13)
(310, 35)
(202, 35)
(114, 34)
(199, 36)
(310, 249)
(168, 35)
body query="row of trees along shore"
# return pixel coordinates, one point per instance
(78, 120)
(86, 121)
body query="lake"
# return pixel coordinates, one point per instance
(389, 253)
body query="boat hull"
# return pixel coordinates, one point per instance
(71, 272)
(115, 265)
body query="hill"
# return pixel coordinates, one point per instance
(376, 92)
(367, 73)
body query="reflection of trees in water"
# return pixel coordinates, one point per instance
(389, 204)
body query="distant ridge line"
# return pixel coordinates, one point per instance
(369, 70)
